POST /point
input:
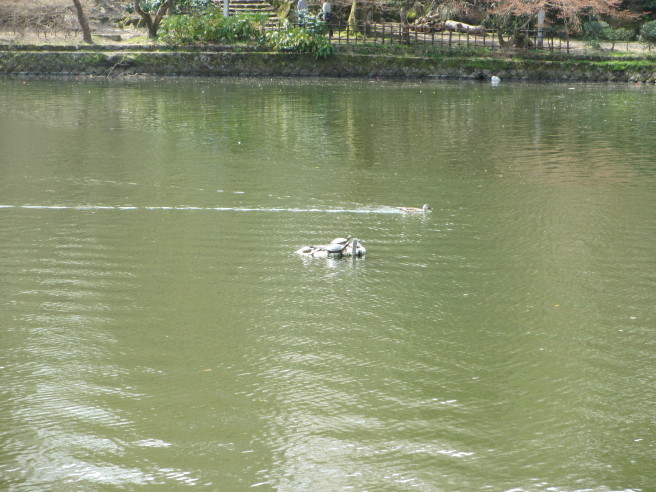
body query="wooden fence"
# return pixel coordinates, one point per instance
(395, 33)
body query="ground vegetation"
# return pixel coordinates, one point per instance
(48, 19)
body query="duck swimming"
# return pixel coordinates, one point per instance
(415, 210)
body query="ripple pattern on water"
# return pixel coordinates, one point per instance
(158, 330)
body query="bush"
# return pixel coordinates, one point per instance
(618, 35)
(648, 34)
(594, 32)
(302, 40)
(181, 29)
(313, 24)
(211, 27)
(242, 27)
(179, 6)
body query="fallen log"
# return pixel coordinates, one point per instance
(452, 25)
(428, 23)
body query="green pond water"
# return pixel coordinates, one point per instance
(158, 332)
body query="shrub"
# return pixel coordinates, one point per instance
(618, 35)
(242, 27)
(594, 32)
(181, 29)
(314, 24)
(211, 26)
(648, 33)
(179, 6)
(301, 40)
(595, 29)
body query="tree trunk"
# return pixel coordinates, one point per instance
(353, 17)
(84, 24)
(160, 14)
(502, 43)
(144, 15)
(519, 37)
(540, 27)
(152, 23)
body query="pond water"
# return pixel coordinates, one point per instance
(158, 331)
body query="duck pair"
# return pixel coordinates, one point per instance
(338, 248)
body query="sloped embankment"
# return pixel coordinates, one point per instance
(218, 61)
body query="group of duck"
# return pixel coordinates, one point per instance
(347, 246)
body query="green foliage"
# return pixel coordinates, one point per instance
(619, 34)
(211, 26)
(595, 30)
(242, 27)
(643, 6)
(192, 5)
(648, 33)
(313, 24)
(182, 29)
(179, 6)
(302, 40)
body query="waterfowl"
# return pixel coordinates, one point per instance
(495, 80)
(415, 210)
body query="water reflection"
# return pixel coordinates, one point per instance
(158, 329)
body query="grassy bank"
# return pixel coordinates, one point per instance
(138, 55)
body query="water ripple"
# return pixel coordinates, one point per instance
(379, 210)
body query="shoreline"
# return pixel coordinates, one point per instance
(126, 59)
